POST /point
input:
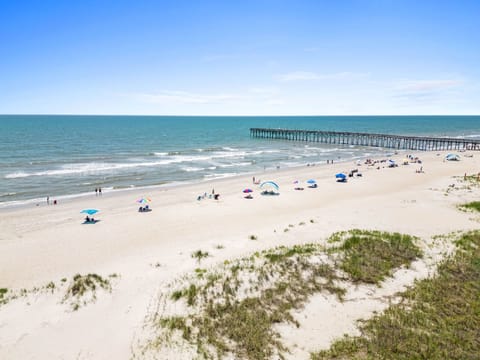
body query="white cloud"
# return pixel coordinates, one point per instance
(309, 76)
(427, 86)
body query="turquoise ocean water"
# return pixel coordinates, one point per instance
(61, 156)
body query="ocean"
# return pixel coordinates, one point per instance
(65, 156)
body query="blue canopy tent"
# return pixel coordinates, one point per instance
(341, 177)
(90, 212)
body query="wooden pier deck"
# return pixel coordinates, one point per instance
(367, 139)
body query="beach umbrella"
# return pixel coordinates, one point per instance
(144, 200)
(247, 191)
(341, 176)
(269, 184)
(311, 181)
(89, 211)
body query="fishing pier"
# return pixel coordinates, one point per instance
(400, 142)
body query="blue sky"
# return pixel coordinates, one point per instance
(258, 57)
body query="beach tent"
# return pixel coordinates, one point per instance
(452, 157)
(269, 185)
(89, 211)
(341, 177)
(269, 188)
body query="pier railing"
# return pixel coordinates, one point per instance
(366, 139)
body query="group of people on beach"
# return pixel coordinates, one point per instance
(54, 202)
(213, 195)
(98, 191)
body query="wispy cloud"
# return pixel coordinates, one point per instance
(425, 89)
(310, 76)
(184, 97)
(428, 85)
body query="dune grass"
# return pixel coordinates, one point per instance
(471, 206)
(369, 256)
(82, 289)
(3, 297)
(231, 310)
(438, 318)
(234, 310)
(199, 255)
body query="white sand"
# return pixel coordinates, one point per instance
(48, 243)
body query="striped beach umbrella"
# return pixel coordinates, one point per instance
(144, 200)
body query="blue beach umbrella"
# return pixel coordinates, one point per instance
(311, 181)
(89, 211)
(269, 184)
(341, 176)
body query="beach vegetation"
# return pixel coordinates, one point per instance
(219, 247)
(50, 286)
(437, 318)
(471, 206)
(199, 255)
(234, 310)
(253, 237)
(3, 297)
(83, 289)
(369, 256)
(200, 272)
(473, 180)
(176, 295)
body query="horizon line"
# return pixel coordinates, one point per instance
(183, 115)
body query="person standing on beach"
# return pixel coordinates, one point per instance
(99, 191)
(96, 192)
(48, 200)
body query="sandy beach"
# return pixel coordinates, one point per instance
(146, 251)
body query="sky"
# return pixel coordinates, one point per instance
(248, 57)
